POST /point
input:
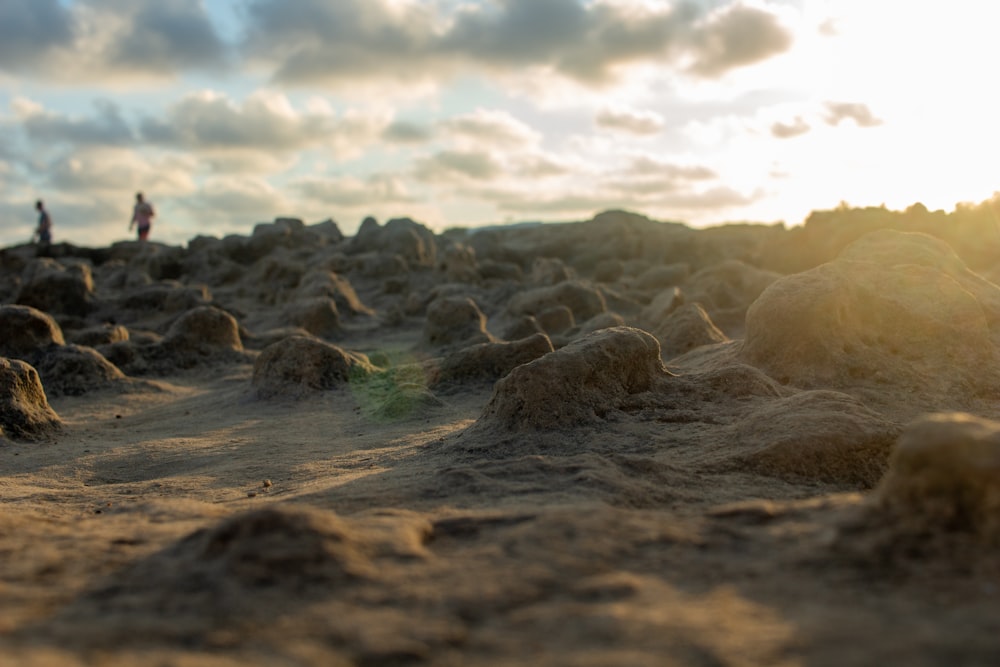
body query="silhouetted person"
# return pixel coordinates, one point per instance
(142, 216)
(44, 231)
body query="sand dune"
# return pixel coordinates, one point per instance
(614, 442)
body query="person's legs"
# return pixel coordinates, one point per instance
(143, 233)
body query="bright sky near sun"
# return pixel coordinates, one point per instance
(466, 112)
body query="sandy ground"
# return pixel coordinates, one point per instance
(594, 507)
(540, 561)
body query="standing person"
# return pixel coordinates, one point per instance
(44, 231)
(142, 216)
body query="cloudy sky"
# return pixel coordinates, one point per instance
(463, 112)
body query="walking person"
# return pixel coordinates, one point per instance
(142, 216)
(44, 231)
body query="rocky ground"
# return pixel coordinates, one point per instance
(614, 442)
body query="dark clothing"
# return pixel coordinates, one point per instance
(44, 227)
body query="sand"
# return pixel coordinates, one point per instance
(617, 442)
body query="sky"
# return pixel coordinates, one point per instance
(228, 113)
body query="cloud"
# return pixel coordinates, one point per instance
(115, 171)
(796, 127)
(403, 132)
(837, 112)
(108, 40)
(408, 41)
(165, 36)
(458, 165)
(314, 41)
(633, 121)
(222, 201)
(352, 192)
(491, 127)
(107, 127)
(646, 166)
(265, 121)
(30, 30)
(737, 36)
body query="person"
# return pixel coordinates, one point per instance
(44, 231)
(142, 216)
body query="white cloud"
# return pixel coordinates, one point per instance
(490, 127)
(265, 121)
(633, 121)
(352, 193)
(838, 112)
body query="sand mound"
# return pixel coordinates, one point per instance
(937, 510)
(103, 334)
(945, 476)
(205, 336)
(490, 361)
(73, 370)
(822, 435)
(584, 382)
(24, 410)
(898, 322)
(298, 365)
(686, 328)
(25, 332)
(582, 300)
(57, 288)
(262, 562)
(277, 546)
(455, 320)
(204, 328)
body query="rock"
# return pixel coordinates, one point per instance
(656, 313)
(726, 289)
(600, 321)
(819, 435)
(455, 320)
(507, 271)
(319, 316)
(460, 263)
(54, 288)
(686, 328)
(556, 320)
(166, 298)
(299, 365)
(522, 327)
(402, 237)
(25, 332)
(204, 329)
(609, 270)
(156, 260)
(104, 334)
(73, 370)
(550, 271)
(491, 361)
(944, 477)
(24, 409)
(582, 300)
(323, 283)
(908, 333)
(204, 336)
(583, 383)
(329, 230)
(662, 277)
